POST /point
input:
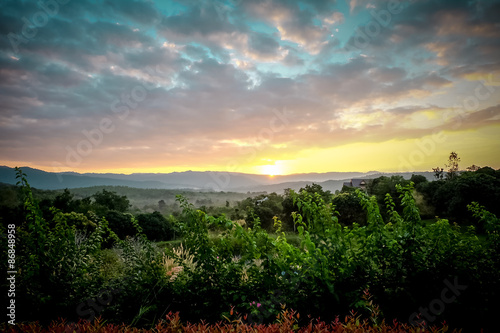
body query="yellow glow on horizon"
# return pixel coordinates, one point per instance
(271, 170)
(479, 147)
(421, 154)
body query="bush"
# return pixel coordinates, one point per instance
(155, 226)
(122, 224)
(287, 321)
(324, 273)
(59, 263)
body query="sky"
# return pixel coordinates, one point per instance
(268, 87)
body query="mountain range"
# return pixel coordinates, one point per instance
(193, 180)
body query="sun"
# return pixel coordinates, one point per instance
(270, 170)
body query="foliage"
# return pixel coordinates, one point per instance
(418, 179)
(349, 209)
(317, 189)
(155, 226)
(383, 185)
(491, 223)
(451, 197)
(107, 200)
(226, 270)
(287, 321)
(264, 207)
(121, 223)
(59, 263)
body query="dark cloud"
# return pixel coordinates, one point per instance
(196, 21)
(143, 12)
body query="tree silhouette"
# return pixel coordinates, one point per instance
(453, 161)
(473, 167)
(438, 173)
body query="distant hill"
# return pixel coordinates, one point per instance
(193, 180)
(52, 181)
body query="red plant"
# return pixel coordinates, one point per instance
(287, 322)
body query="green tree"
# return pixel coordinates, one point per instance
(64, 202)
(109, 200)
(349, 209)
(418, 179)
(264, 207)
(155, 226)
(120, 223)
(316, 188)
(488, 171)
(451, 197)
(382, 185)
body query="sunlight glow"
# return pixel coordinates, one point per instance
(271, 170)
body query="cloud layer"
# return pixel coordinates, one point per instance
(217, 85)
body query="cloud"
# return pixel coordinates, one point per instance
(200, 84)
(335, 18)
(143, 12)
(264, 45)
(293, 23)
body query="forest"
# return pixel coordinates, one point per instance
(401, 254)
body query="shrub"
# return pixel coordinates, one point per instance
(401, 260)
(287, 321)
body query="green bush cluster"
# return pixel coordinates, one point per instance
(400, 260)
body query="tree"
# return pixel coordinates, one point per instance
(438, 173)
(155, 226)
(162, 205)
(265, 207)
(473, 168)
(382, 185)
(349, 208)
(64, 201)
(109, 200)
(289, 206)
(453, 161)
(417, 179)
(79, 220)
(450, 198)
(316, 188)
(489, 171)
(120, 223)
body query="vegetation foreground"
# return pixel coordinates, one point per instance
(286, 322)
(418, 277)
